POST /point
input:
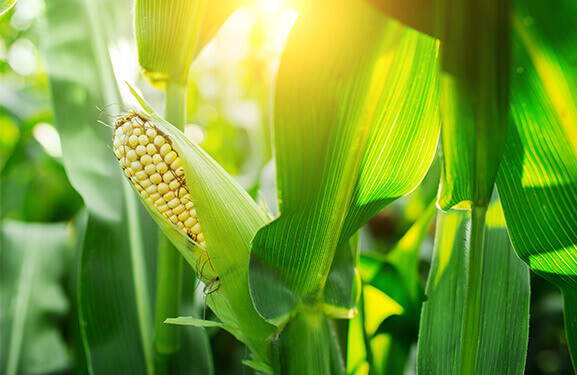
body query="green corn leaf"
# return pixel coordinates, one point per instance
(113, 286)
(355, 128)
(33, 263)
(475, 55)
(229, 219)
(503, 318)
(5, 6)
(190, 321)
(538, 177)
(169, 35)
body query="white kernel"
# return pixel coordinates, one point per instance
(116, 143)
(140, 150)
(196, 229)
(157, 159)
(133, 140)
(169, 196)
(146, 159)
(141, 175)
(159, 141)
(136, 166)
(150, 169)
(190, 222)
(161, 167)
(174, 203)
(151, 189)
(163, 188)
(143, 140)
(183, 216)
(170, 157)
(200, 237)
(150, 133)
(165, 149)
(179, 209)
(146, 183)
(118, 132)
(167, 177)
(151, 149)
(156, 178)
(163, 208)
(131, 155)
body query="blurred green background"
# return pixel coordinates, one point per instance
(228, 113)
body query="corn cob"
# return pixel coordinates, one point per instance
(155, 169)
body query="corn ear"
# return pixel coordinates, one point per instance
(155, 170)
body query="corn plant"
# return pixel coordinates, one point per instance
(459, 114)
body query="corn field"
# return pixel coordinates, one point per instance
(288, 187)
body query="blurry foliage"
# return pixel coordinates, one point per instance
(229, 113)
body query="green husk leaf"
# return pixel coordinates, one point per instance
(538, 177)
(191, 321)
(503, 318)
(169, 35)
(475, 56)
(229, 219)
(355, 128)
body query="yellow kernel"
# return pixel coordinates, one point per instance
(155, 197)
(136, 166)
(131, 155)
(174, 203)
(159, 202)
(161, 167)
(196, 229)
(182, 193)
(117, 154)
(170, 157)
(174, 184)
(179, 209)
(146, 183)
(133, 140)
(174, 219)
(157, 158)
(183, 215)
(146, 159)
(151, 133)
(167, 177)
(144, 193)
(189, 205)
(180, 225)
(141, 175)
(140, 150)
(176, 163)
(138, 187)
(190, 222)
(143, 140)
(118, 132)
(151, 189)
(200, 237)
(151, 149)
(202, 243)
(179, 171)
(116, 143)
(156, 178)
(136, 131)
(169, 196)
(150, 169)
(163, 188)
(165, 149)
(159, 141)
(121, 150)
(163, 208)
